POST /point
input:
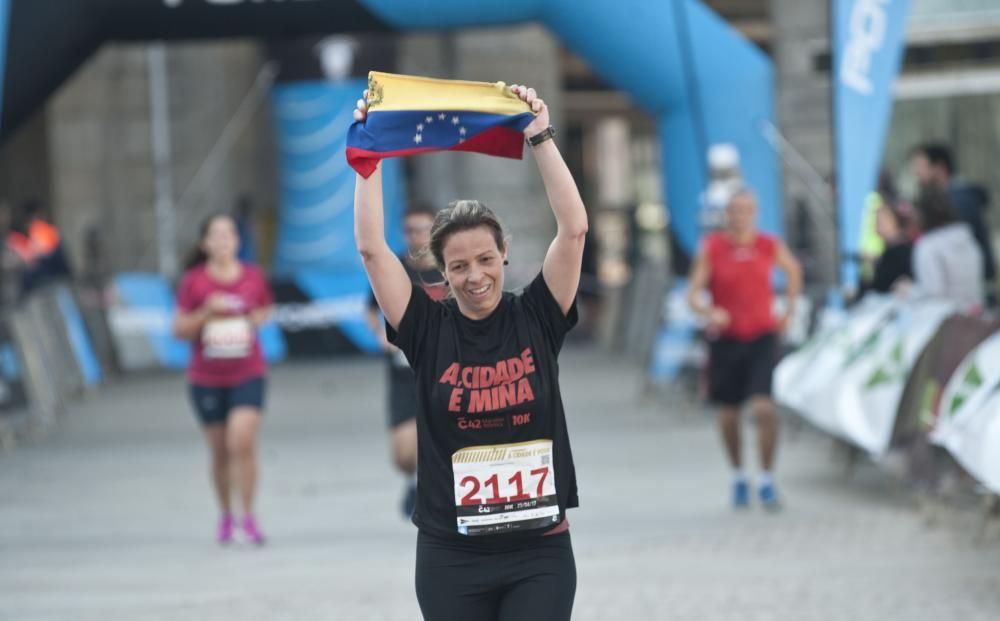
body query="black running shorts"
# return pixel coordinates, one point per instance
(739, 370)
(533, 580)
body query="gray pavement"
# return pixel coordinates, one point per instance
(110, 517)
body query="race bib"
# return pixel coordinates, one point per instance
(227, 338)
(505, 487)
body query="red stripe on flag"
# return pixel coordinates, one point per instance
(499, 141)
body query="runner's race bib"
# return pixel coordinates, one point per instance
(505, 487)
(227, 338)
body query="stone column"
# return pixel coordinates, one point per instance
(801, 37)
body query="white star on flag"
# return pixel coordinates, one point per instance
(420, 127)
(454, 120)
(461, 131)
(430, 119)
(441, 116)
(417, 138)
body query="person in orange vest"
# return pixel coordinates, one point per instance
(37, 245)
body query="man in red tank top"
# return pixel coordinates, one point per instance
(736, 266)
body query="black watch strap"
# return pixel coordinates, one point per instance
(546, 134)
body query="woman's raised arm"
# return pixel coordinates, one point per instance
(564, 259)
(386, 274)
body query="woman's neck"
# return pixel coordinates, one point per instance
(223, 269)
(892, 240)
(476, 315)
(743, 237)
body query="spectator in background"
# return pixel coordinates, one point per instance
(37, 246)
(402, 398)
(934, 164)
(725, 180)
(947, 263)
(872, 244)
(11, 262)
(894, 265)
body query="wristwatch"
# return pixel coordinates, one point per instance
(546, 134)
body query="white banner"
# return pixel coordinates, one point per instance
(968, 424)
(849, 378)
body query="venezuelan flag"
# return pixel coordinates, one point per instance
(408, 115)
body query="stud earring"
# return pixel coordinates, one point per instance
(506, 262)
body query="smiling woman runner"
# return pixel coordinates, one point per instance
(220, 304)
(495, 468)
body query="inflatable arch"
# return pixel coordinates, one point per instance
(676, 59)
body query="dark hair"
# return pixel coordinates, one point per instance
(196, 256)
(463, 215)
(887, 187)
(934, 208)
(899, 212)
(419, 208)
(938, 154)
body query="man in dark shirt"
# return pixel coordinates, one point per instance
(402, 394)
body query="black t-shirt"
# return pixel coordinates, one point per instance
(896, 262)
(432, 282)
(491, 426)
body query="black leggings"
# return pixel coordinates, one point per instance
(527, 582)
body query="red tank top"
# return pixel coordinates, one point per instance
(740, 283)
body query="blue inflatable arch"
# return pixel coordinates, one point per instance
(676, 59)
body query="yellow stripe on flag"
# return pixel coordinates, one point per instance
(393, 92)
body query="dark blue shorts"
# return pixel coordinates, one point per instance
(402, 387)
(212, 404)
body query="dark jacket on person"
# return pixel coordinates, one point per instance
(970, 202)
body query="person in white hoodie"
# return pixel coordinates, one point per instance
(947, 263)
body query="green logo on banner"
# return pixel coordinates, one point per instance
(892, 370)
(864, 347)
(972, 380)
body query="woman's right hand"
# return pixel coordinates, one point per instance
(217, 304)
(361, 111)
(717, 318)
(903, 287)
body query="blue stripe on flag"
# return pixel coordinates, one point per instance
(421, 129)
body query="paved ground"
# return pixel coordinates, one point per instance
(110, 517)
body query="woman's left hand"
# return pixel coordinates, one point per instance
(259, 316)
(538, 106)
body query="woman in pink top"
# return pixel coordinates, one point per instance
(220, 304)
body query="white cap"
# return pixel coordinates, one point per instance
(336, 56)
(723, 156)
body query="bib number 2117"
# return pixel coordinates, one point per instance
(506, 487)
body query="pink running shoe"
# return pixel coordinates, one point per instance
(251, 532)
(226, 524)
